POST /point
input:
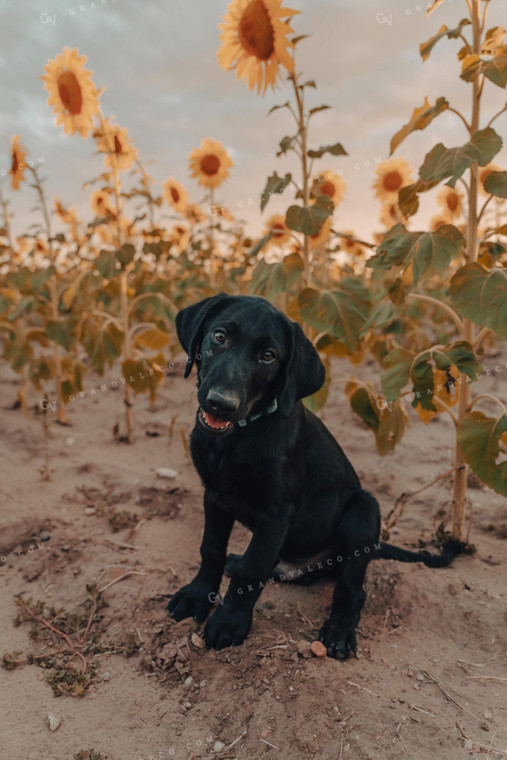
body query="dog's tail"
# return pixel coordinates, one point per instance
(450, 550)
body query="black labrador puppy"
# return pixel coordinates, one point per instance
(268, 462)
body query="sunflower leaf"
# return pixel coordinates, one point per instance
(274, 184)
(408, 196)
(275, 108)
(419, 120)
(426, 47)
(336, 150)
(397, 365)
(481, 295)
(480, 439)
(496, 184)
(341, 312)
(309, 219)
(317, 109)
(494, 68)
(261, 243)
(450, 163)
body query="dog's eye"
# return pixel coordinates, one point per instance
(218, 336)
(268, 356)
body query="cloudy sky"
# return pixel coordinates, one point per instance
(157, 59)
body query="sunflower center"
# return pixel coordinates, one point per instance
(393, 181)
(70, 92)
(278, 228)
(327, 188)
(452, 202)
(210, 164)
(175, 194)
(255, 31)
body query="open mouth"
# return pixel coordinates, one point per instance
(214, 424)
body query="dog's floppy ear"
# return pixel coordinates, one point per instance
(189, 323)
(304, 373)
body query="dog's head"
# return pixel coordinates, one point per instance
(248, 354)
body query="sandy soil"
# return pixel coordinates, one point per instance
(429, 679)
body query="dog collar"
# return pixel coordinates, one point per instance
(268, 410)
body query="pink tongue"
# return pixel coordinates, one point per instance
(214, 422)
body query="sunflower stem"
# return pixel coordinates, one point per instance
(467, 330)
(307, 273)
(124, 304)
(53, 294)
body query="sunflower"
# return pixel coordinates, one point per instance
(392, 175)
(108, 233)
(180, 237)
(74, 97)
(390, 215)
(101, 202)
(209, 163)
(113, 140)
(254, 36)
(351, 246)
(195, 214)
(451, 201)
(221, 213)
(175, 194)
(330, 184)
(277, 224)
(18, 163)
(485, 171)
(322, 235)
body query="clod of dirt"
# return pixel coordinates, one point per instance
(318, 649)
(197, 641)
(52, 722)
(304, 648)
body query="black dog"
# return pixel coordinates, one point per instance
(268, 462)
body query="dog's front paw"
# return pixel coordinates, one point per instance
(338, 638)
(227, 627)
(193, 600)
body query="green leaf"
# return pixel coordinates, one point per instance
(426, 47)
(126, 254)
(341, 312)
(105, 263)
(286, 144)
(479, 438)
(103, 345)
(144, 375)
(317, 400)
(494, 69)
(381, 316)
(496, 184)
(443, 163)
(408, 196)
(261, 243)
(420, 119)
(424, 252)
(269, 280)
(421, 374)
(397, 365)
(387, 421)
(61, 333)
(336, 150)
(274, 184)
(461, 354)
(309, 219)
(481, 295)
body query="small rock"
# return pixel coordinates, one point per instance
(69, 441)
(52, 722)
(166, 472)
(487, 714)
(106, 676)
(188, 681)
(318, 649)
(485, 726)
(44, 536)
(197, 641)
(218, 746)
(468, 744)
(304, 648)
(90, 511)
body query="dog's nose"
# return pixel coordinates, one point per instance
(222, 402)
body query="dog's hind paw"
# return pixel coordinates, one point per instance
(231, 563)
(338, 638)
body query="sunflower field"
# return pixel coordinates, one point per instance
(79, 297)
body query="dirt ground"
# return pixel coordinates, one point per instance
(429, 680)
